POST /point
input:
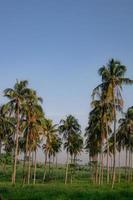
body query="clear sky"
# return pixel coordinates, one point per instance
(58, 45)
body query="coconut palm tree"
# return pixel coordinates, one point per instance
(49, 135)
(6, 125)
(70, 129)
(32, 113)
(94, 137)
(124, 137)
(113, 78)
(16, 96)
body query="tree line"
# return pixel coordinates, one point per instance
(24, 129)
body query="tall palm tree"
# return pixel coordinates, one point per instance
(49, 132)
(32, 112)
(102, 113)
(113, 78)
(124, 136)
(94, 137)
(70, 129)
(16, 96)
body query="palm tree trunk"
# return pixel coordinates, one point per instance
(24, 168)
(53, 165)
(71, 170)
(0, 146)
(16, 148)
(96, 178)
(111, 166)
(29, 166)
(126, 163)
(129, 168)
(131, 165)
(100, 170)
(66, 176)
(114, 161)
(107, 154)
(45, 164)
(49, 173)
(119, 178)
(56, 165)
(35, 168)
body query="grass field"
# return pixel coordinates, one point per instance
(58, 191)
(55, 189)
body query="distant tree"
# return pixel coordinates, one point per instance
(71, 131)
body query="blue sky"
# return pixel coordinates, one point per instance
(58, 45)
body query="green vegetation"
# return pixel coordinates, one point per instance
(24, 129)
(61, 192)
(54, 187)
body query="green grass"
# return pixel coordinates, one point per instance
(65, 192)
(55, 189)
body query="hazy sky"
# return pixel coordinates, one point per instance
(58, 45)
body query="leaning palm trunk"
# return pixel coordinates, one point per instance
(16, 148)
(35, 169)
(29, 166)
(67, 165)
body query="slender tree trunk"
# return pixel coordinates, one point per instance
(16, 148)
(0, 146)
(24, 168)
(114, 161)
(26, 149)
(53, 165)
(56, 158)
(67, 165)
(100, 170)
(29, 166)
(96, 178)
(71, 169)
(35, 168)
(107, 154)
(131, 165)
(111, 166)
(126, 164)
(119, 178)
(45, 166)
(129, 168)
(49, 173)
(56, 165)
